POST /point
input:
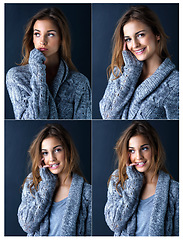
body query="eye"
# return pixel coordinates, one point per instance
(127, 39)
(44, 153)
(140, 35)
(37, 34)
(51, 34)
(145, 148)
(131, 151)
(60, 149)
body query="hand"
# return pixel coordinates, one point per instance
(42, 164)
(125, 46)
(36, 56)
(129, 163)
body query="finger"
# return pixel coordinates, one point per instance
(46, 166)
(133, 164)
(124, 46)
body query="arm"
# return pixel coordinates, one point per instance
(34, 208)
(171, 102)
(119, 208)
(89, 217)
(176, 216)
(30, 100)
(120, 90)
(82, 106)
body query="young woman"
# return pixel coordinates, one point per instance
(56, 200)
(47, 85)
(143, 199)
(144, 83)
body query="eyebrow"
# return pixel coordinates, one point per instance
(136, 33)
(141, 145)
(53, 147)
(37, 30)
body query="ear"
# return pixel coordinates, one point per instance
(158, 38)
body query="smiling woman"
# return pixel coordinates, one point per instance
(142, 198)
(56, 199)
(143, 83)
(47, 85)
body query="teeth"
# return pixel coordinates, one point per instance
(141, 163)
(54, 165)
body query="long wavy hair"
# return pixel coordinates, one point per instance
(146, 16)
(58, 18)
(158, 154)
(71, 154)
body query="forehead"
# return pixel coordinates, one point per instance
(134, 26)
(137, 141)
(47, 24)
(50, 142)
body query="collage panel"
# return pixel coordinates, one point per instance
(117, 209)
(28, 148)
(133, 76)
(48, 63)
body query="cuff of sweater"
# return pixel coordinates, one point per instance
(131, 61)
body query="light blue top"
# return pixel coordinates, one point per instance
(143, 216)
(56, 216)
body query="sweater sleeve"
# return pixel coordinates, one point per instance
(171, 102)
(121, 206)
(176, 216)
(82, 106)
(120, 90)
(89, 216)
(30, 102)
(34, 207)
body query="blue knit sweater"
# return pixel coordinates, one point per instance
(121, 210)
(34, 210)
(157, 97)
(68, 97)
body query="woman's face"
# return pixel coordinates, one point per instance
(53, 154)
(140, 40)
(140, 152)
(46, 37)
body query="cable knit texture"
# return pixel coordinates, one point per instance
(157, 97)
(121, 210)
(68, 97)
(34, 210)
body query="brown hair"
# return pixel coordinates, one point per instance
(60, 21)
(71, 154)
(158, 155)
(146, 16)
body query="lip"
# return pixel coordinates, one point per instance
(43, 49)
(140, 51)
(54, 166)
(141, 164)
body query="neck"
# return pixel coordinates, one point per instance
(62, 180)
(149, 178)
(52, 66)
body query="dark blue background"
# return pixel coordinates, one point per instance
(18, 137)
(105, 134)
(104, 22)
(16, 18)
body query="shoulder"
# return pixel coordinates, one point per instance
(18, 73)
(172, 73)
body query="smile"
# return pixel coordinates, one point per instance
(140, 51)
(54, 166)
(141, 164)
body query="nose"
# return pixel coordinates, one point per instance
(43, 41)
(51, 157)
(135, 43)
(139, 155)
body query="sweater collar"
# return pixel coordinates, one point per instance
(151, 84)
(72, 206)
(160, 203)
(61, 76)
